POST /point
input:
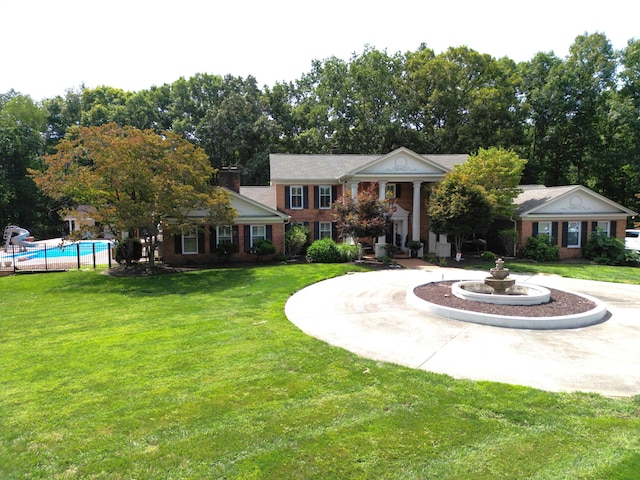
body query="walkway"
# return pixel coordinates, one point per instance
(366, 313)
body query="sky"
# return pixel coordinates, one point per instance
(51, 47)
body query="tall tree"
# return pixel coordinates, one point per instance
(239, 132)
(134, 179)
(459, 209)
(498, 171)
(464, 100)
(22, 127)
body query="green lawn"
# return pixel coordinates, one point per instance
(200, 375)
(584, 271)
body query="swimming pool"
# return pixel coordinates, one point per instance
(84, 247)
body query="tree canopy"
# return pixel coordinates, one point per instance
(134, 179)
(459, 208)
(575, 119)
(498, 172)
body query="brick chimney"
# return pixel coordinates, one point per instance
(229, 177)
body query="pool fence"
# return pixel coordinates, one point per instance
(46, 257)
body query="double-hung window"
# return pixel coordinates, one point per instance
(324, 192)
(224, 234)
(544, 228)
(324, 230)
(258, 233)
(190, 242)
(573, 235)
(604, 227)
(296, 197)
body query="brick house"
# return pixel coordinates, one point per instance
(255, 221)
(569, 214)
(303, 188)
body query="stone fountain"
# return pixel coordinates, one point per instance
(500, 288)
(499, 280)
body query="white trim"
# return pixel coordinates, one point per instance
(252, 235)
(191, 234)
(321, 195)
(292, 196)
(225, 237)
(579, 232)
(328, 230)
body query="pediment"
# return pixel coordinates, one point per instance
(577, 201)
(245, 208)
(401, 162)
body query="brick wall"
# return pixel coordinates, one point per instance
(208, 256)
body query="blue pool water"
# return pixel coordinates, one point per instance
(68, 250)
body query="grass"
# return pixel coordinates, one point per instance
(584, 271)
(199, 375)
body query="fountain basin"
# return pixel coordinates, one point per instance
(594, 316)
(518, 294)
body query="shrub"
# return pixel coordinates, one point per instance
(129, 250)
(488, 256)
(324, 251)
(348, 252)
(226, 248)
(605, 250)
(540, 249)
(280, 257)
(262, 248)
(508, 237)
(391, 250)
(295, 239)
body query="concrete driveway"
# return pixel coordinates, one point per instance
(367, 314)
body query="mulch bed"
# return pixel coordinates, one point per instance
(141, 270)
(561, 303)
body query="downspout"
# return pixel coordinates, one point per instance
(515, 244)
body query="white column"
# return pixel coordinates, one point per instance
(382, 190)
(382, 194)
(415, 234)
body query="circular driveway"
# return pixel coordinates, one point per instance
(367, 314)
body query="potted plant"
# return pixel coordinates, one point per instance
(414, 246)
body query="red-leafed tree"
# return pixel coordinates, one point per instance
(365, 216)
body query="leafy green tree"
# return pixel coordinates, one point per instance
(464, 100)
(22, 126)
(458, 208)
(238, 132)
(104, 105)
(134, 179)
(499, 172)
(191, 99)
(543, 104)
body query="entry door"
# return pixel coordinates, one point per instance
(397, 234)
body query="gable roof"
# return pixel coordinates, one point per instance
(249, 211)
(332, 168)
(252, 211)
(575, 201)
(264, 195)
